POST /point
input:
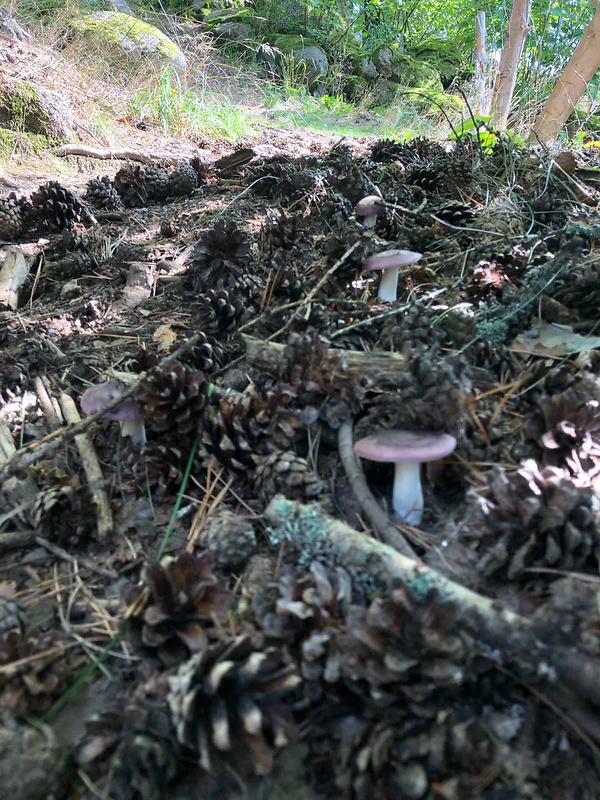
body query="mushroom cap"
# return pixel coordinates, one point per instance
(98, 397)
(392, 259)
(370, 206)
(397, 445)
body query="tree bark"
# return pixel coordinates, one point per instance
(482, 103)
(571, 85)
(506, 79)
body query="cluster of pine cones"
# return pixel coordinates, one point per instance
(54, 208)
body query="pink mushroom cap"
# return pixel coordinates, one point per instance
(397, 446)
(98, 397)
(392, 259)
(370, 206)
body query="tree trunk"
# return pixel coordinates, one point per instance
(572, 83)
(482, 101)
(504, 85)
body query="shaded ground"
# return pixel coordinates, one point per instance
(287, 660)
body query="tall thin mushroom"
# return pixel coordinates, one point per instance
(389, 262)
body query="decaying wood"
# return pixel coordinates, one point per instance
(143, 156)
(267, 356)
(503, 636)
(13, 275)
(92, 469)
(138, 288)
(377, 516)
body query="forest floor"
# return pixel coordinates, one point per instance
(299, 640)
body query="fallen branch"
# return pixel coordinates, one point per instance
(143, 156)
(92, 469)
(503, 636)
(377, 516)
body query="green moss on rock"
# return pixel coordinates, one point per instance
(26, 108)
(442, 55)
(116, 34)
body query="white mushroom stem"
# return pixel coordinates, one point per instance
(369, 222)
(407, 498)
(388, 285)
(136, 430)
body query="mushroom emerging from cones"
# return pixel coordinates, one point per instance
(407, 450)
(369, 208)
(390, 262)
(128, 413)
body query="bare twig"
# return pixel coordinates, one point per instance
(143, 156)
(377, 516)
(54, 423)
(15, 540)
(64, 556)
(92, 469)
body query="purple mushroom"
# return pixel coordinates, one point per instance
(127, 413)
(407, 450)
(390, 261)
(369, 208)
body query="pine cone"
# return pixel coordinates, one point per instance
(231, 703)
(55, 208)
(174, 397)
(159, 468)
(220, 258)
(40, 675)
(12, 616)
(173, 611)
(406, 648)
(129, 751)
(12, 216)
(288, 474)
(533, 518)
(207, 355)
(138, 185)
(101, 194)
(183, 181)
(217, 311)
(64, 515)
(307, 613)
(455, 212)
(229, 538)
(572, 432)
(248, 425)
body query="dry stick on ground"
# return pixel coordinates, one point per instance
(143, 156)
(377, 516)
(54, 422)
(64, 556)
(43, 448)
(92, 469)
(503, 636)
(15, 540)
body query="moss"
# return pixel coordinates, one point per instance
(245, 15)
(112, 27)
(12, 142)
(355, 87)
(288, 43)
(442, 55)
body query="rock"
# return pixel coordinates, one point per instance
(302, 50)
(32, 109)
(233, 31)
(384, 91)
(355, 87)
(365, 68)
(114, 33)
(382, 59)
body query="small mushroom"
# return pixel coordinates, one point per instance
(407, 450)
(369, 208)
(390, 261)
(128, 413)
